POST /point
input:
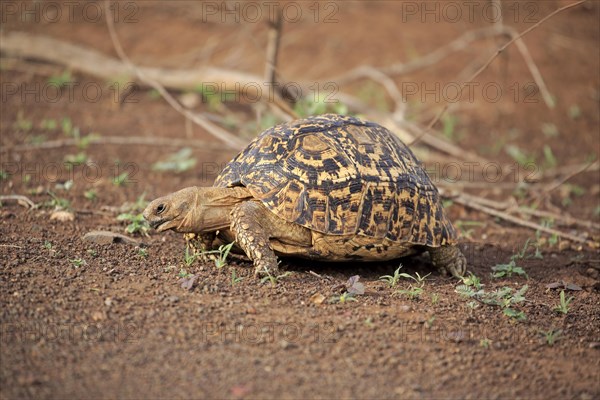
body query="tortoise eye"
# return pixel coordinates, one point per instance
(160, 209)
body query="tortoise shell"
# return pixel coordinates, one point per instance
(340, 175)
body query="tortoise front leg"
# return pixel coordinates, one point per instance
(253, 236)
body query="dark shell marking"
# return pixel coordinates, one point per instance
(339, 175)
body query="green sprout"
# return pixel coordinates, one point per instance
(563, 306)
(137, 223)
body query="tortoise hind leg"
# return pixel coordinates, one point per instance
(448, 259)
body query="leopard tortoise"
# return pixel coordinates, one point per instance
(330, 187)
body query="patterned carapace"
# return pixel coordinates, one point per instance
(339, 175)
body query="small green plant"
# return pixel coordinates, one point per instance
(318, 104)
(345, 297)
(221, 254)
(507, 270)
(184, 274)
(563, 306)
(48, 245)
(91, 195)
(76, 159)
(66, 126)
(77, 262)
(37, 139)
(449, 122)
(189, 256)
(551, 336)
(504, 298)
(48, 124)
(178, 162)
(92, 253)
(549, 129)
(392, 280)
(372, 94)
(435, 298)
(3, 175)
(272, 278)
(137, 223)
(412, 293)
(568, 190)
(515, 314)
(22, 124)
(58, 202)
(549, 158)
(472, 280)
(519, 155)
(61, 80)
(466, 227)
(234, 278)
(121, 179)
(142, 252)
(485, 343)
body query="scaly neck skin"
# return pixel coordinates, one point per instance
(209, 208)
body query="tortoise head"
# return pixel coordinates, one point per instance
(174, 211)
(192, 210)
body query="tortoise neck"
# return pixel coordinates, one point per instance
(211, 207)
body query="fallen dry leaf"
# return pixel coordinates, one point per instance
(62, 216)
(317, 298)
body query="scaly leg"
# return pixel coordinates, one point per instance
(250, 222)
(449, 259)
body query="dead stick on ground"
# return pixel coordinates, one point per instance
(560, 219)
(232, 140)
(510, 207)
(121, 140)
(458, 44)
(516, 220)
(560, 182)
(492, 58)
(21, 200)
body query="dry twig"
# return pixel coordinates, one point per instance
(218, 132)
(20, 200)
(120, 140)
(469, 201)
(492, 58)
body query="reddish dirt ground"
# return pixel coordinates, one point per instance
(83, 320)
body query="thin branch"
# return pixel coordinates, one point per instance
(389, 85)
(21, 200)
(555, 185)
(533, 69)
(120, 140)
(492, 58)
(458, 44)
(274, 39)
(220, 133)
(564, 219)
(468, 202)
